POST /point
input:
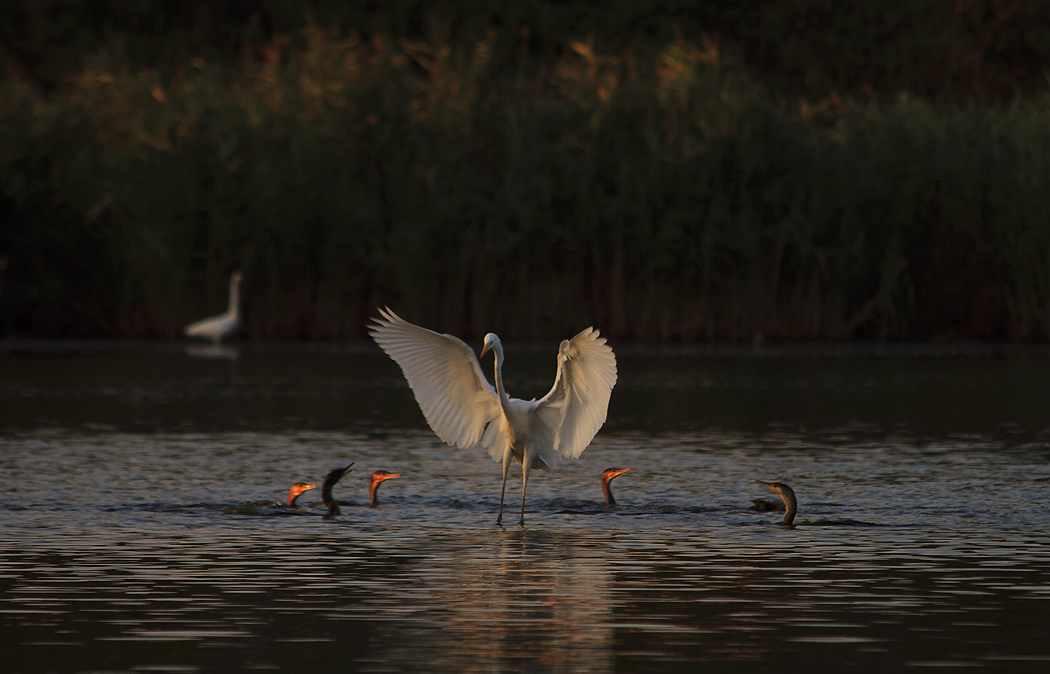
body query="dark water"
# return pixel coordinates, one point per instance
(923, 542)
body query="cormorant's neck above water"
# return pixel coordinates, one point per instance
(788, 495)
(330, 481)
(297, 490)
(608, 476)
(378, 478)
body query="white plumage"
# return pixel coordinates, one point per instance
(466, 411)
(218, 328)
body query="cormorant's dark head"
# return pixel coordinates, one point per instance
(296, 491)
(330, 481)
(378, 478)
(607, 476)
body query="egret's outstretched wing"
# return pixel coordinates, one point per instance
(575, 408)
(445, 376)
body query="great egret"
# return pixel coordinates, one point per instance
(218, 328)
(466, 411)
(788, 494)
(330, 481)
(377, 479)
(296, 491)
(607, 477)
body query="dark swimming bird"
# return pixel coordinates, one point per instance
(296, 491)
(765, 505)
(378, 478)
(271, 507)
(330, 481)
(785, 492)
(608, 477)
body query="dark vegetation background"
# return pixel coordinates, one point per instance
(790, 169)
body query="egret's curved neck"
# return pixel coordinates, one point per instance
(235, 297)
(504, 399)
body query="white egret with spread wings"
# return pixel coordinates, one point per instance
(466, 411)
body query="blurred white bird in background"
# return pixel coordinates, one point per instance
(218, 328)
(466, 411)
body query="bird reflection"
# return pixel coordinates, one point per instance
(216, 351)
(533, 592)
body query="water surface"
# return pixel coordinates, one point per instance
(922, 542)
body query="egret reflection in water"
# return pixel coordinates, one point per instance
(215, 351)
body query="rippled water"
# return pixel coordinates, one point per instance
(923, 538)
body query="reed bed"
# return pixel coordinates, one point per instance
(658, 194)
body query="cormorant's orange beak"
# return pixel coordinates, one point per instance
(388, 476)
(616, 473)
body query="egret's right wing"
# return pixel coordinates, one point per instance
(445, 376)
(575, 408)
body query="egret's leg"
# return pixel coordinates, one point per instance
(507, 458)
(526, 467)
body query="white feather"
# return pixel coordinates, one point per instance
(577, 404)
(445, 376)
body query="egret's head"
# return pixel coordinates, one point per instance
(491, 341)
(236, 276)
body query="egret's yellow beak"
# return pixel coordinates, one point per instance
(484, 349)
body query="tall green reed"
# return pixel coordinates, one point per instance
(658, 195)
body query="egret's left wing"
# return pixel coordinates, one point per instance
(444, 374)
(576, 406)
